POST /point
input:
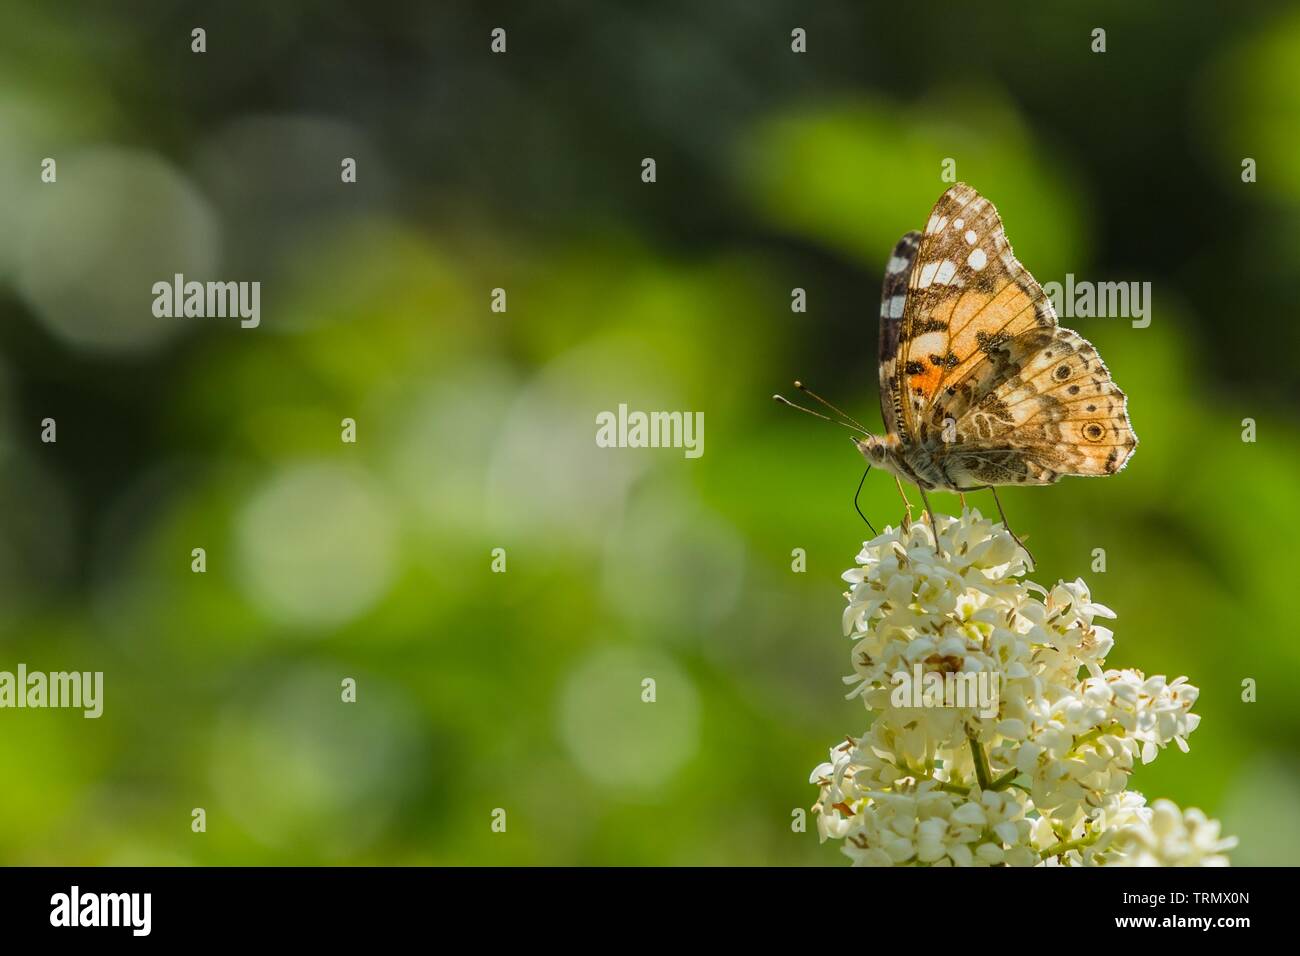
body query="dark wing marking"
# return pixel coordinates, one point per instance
(893, 296)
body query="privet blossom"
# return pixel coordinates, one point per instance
(1044, 781)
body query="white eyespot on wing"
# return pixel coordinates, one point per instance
(971, 238)
(958, 223)
(947, 269)
(896, 306)
(926, 275)
(977, 260)
(935, 224)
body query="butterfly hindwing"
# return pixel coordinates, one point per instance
(1042, 406)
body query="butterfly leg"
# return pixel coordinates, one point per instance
(933, 524)
(1003, 515)
(962, 495)
(907, 516)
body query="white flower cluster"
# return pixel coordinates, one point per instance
(1040, 777)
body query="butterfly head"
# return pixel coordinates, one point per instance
(884, 451)
(874, 450)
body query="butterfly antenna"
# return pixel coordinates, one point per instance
(813, 395)
(826, 418)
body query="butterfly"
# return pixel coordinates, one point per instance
(979, 384)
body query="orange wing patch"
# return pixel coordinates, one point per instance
(923, 379)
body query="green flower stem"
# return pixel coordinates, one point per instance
(1067, 846)
(942, 784)
(1085, 739)
(981, 763)
(1005, 780)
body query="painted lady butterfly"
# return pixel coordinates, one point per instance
(979, 385)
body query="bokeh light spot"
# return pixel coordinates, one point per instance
(616, 738)
(316, 545)
(116, 222)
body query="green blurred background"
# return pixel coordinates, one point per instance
(476, 429)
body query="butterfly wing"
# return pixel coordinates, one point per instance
(893, 297)
(1040, 406)
(992, 390)
(967, 295)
